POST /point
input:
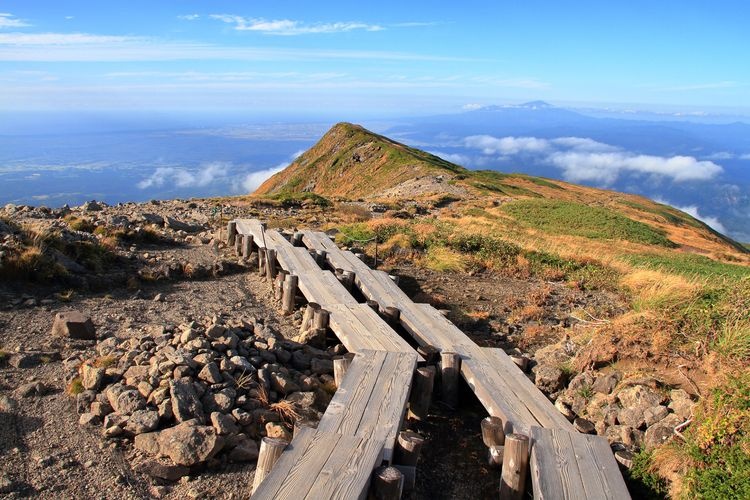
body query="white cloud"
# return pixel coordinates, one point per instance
(456, 158)
(586, 160)
(253, 180)
(472, 106)
(10, 21)
(693, 210)
(506, 145)
(183, 178)
(606, 167)
(53, 39)
(287, 27)
(745, 156)
(189, 17)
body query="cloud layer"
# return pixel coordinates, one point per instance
(10, 21)
(583, 159)
(288, 27)
(184, 178)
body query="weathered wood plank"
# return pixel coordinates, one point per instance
(323, 288)
(360, 328)
(296, 449)
(605, 465)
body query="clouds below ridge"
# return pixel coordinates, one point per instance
(582, 159)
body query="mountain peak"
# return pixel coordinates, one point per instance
(536, 105)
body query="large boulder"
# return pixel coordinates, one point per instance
(189, 444)
(640, 396)
(549, 379)
(73, 325)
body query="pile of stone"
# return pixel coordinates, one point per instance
(633, 413)
(197, 394)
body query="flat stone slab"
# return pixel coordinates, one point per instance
(73, 325)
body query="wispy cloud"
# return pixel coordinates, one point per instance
(288, 27)
(253, 180)
(189, 17)
(694, 211)
(80, 47)
(184, 178)
(586, 160)
(726, 84)
(10, 21)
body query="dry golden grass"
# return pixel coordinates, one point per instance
(658, 290)
(286, 411)
(349, 212)
(444, 260)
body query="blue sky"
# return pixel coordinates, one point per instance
(371, 57)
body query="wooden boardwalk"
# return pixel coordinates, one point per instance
(359, 428)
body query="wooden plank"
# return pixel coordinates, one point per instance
(346, 474)
(387, 405)
(301, 475)
(323, 287)
(605, 465)
(556, 469)
(296, 449)
(360, 328)
(352, 397)
(542, 408)
(593, 483)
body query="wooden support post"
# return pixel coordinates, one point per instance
(307, 318)
(492, 431)
(515, 467)
(430, 354)
(387, 483)
(374, 305)
(262, 261)
(231, 232)
(270, 263)
(408, 446)
(410, 476)
(270, 451)
(278, 285)
(340, 366)
(391, 315)
(247, 245)
(421, 392)
(449, 373)
(493, 436)
(297, 239)
(289, 293)
(320, 319)
(320, 257)
(238, 245)
(348, 280)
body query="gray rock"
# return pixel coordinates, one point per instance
(7, 404)
(584, 426)
(633, 417)
(32, 389)
(321, 366)
(129, 401)
(148, 442)
(89, 419)
(582, 382)
(189, 444)
(244, 451)
(162, 470)
(605, 384)
(242, 364)
(101, 409)
(662, 431)
(185, 402)
(135, 374)
(142, 421)
(681, 403)
(655, 414)
(211, 374)
(73, 325)
(221, 401)
(215, 331)
(640, 396)
(224, 424)
(91, 377)
(283, 383)
(549, 379)
(242, 417)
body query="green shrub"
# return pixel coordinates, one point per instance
(564, 217)
(642, 482)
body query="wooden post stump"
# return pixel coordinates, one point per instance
(387, 483)
(320, 257)
(392, 315)
(297, 239)
(307, 318)
(493, 436)
(340, 367)
(247, 245)
(231, 232)
(410, 476)
(408, 446)
(450, 370)
(262, 261)
(515, 467)
(270, 264)
(421, 392)
(289, 293)
(348, 280)
(270, 451)
(495, 456)
(320, 318)
(238, 244)
(373, 305)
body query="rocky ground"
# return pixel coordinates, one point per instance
(170, 287)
